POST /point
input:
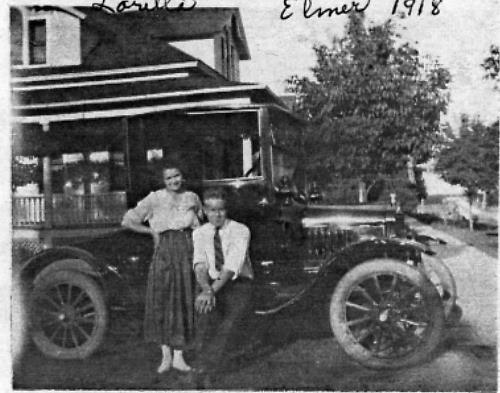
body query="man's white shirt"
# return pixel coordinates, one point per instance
(235, 239)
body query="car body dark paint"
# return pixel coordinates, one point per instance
(299, 251)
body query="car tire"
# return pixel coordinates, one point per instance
(68, 315)
(386, 314)
(441, 277)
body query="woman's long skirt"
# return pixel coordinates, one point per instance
(169, 316)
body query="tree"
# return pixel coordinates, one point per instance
(471, 159)
(371, 106)
(491, 64)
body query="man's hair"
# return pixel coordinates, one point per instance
(215, 193)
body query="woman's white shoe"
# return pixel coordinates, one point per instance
(179, 363)
(166, 361)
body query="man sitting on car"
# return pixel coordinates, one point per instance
(224, 273)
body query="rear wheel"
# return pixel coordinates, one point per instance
(68, 315)
(386, 314)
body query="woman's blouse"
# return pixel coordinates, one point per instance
(163, 213)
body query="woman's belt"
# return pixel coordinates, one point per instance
(187, 230)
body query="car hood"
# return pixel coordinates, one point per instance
(347, 215)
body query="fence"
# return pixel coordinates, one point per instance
(70, 210)
(28, 211)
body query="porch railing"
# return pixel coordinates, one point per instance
(70, 210)
(28, 211)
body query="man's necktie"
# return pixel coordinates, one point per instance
(219, 256)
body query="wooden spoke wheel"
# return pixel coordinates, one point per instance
(68, 315)
(386, 314)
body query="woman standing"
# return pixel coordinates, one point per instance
(172, 213)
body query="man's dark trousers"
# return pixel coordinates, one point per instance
(221, 326)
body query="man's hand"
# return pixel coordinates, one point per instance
(205, 302)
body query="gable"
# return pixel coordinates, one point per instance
(166, 26)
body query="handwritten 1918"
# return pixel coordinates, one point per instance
(154, 5)
(310, 10)
(410, 4)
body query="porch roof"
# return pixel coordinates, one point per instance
(129, 91)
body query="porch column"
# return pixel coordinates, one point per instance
(136, 159)
(26, 43)
(266, 140)
(126, 150)
(47, 191)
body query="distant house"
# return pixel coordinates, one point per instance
(97, 97)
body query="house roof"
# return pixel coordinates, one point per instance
(127, 92)
(131, 39)
(69, 10)
(127, 70)
(164, 26)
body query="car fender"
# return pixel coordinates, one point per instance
(59, 258)
(358, 252)
(400, 249)
(355, 253)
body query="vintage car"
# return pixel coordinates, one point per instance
(355, 269)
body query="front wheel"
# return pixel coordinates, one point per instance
(386, 315)
(68, 315)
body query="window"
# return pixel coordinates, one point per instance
(222, 158)
(228, 55)
(154, 154)
(16, 37)
(223, 55)
(37, 41)
(233, 63)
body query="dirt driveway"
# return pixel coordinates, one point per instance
(296, 360)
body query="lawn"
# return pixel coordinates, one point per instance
(484, 239)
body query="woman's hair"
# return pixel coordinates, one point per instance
(215, 193)
(171, 165)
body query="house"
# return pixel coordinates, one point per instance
(97, 97)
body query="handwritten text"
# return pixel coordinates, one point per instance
(154, 5)
(409, 4)
(310, 10)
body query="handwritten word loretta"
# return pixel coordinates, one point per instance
(310, 10)
(167, 5)
(422, 5)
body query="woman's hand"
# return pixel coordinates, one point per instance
(156, 238)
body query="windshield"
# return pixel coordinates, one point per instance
(284, 164)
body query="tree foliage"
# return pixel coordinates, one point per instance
(370, 104)
(471, 159)
(491, 64)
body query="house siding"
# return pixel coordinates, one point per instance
(62, 38)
